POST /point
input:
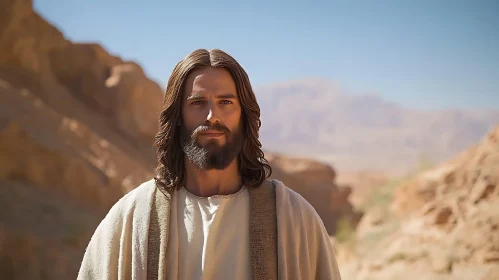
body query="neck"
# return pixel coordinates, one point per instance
(206, 183)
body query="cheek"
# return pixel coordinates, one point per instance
(234, 121)
(191, 119)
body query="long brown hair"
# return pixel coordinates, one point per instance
(170, 172)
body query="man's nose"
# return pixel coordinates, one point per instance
(213, 114)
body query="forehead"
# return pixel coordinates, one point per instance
(209, 80)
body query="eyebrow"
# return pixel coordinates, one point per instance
(222, 96)
(194, 97)
(227, 96)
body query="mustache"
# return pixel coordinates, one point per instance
(217, 127)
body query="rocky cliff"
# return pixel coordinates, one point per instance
(444, 223)
(76, 133)
(316, 182)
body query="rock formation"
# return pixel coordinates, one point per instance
(446, 223)
(316, 182)
(75, 78)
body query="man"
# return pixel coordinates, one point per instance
(211, 212)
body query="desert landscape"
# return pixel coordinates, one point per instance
(362, 131)
(440, 224)
(403, 193)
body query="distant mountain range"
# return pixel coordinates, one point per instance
(316, 118)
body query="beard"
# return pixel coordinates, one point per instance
(210, 155)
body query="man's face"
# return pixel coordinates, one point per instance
(211, 136)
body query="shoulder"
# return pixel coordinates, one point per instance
(134, 203)
(292, 203)
(140, 196)
(139, 192)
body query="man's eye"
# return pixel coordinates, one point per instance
(226, 102)
(197, 102)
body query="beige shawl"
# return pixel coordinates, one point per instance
(130, 242)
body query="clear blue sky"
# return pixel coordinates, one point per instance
(421, 53)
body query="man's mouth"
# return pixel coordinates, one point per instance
(212, 133)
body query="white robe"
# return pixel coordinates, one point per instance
(209, 237)
(304, 248)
